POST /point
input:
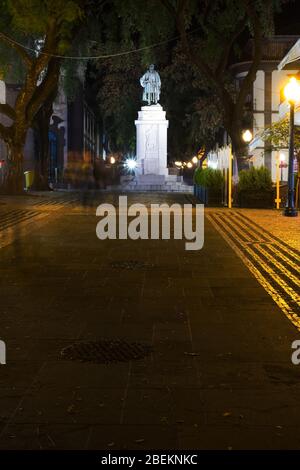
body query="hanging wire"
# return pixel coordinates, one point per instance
(107, 56)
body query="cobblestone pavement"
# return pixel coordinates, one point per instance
(287, 229)
(273, 262)
(219, 373)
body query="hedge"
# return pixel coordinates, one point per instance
(209, 178)
(255, 179)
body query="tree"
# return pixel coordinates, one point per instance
(116, 80)
(277, 135)
(211, 32)
(118, 98)
(212, 35)
(40, 125)
(72, 75)
(196, 121)
(46, 27)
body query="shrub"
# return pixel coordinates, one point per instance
(209, 178)
(255, 179)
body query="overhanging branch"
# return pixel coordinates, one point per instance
(17, 47)
(5, 132)
(228, 45)
(42, 92)
(7, 110)
(250, 77)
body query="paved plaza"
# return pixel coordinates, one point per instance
(218, 325)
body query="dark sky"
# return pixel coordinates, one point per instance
(288, 21)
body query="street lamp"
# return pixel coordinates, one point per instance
(247, 136)
(195, 160)
(130, 164)
(282, 164)
(292, 94)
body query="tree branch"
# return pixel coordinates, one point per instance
(42, 92)
(37, 67)
(18, 48)
(250, 77)
(7, 110)
(228, 45)
(204, 67)
(5, 132)
(169, 7)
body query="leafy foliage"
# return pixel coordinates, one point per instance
(213, 35)
(47, 29)
(277, 135)
(255, 179)
(209, 178)
(199, 91)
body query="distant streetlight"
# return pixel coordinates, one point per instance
(189, 165)
(213, 165)
(282, 157)
(292, 94)
(178, 163)
(112, 160)
(247, 136)
(292, 90)
(195, 160)
(130, 163)
(282, 164)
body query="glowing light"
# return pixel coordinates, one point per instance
(195, 160)
(189, 165)
(247, 136)
(177, 163)
(213, 165)
(130, 163)
(112, 160)
(282, 157)
(292, 90)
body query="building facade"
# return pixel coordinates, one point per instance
(265, 103)
(268, 97)
(73, 134)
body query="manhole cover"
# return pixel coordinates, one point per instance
(104, 351)
(131, 264)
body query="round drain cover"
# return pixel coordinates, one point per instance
(104, 351)
(131, 264)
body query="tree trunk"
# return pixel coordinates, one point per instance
(239, 148)
(41, 128)
(14, 176)
(41, 152)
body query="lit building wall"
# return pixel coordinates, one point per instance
(268, 107)
(258, 118)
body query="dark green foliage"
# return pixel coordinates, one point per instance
(198, 89)
(277, 135)
(31, 31)
(209, 178)
(255, 179)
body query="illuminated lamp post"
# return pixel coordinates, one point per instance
(247, 136)
(292, 94)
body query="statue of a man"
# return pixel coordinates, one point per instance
(151, 83)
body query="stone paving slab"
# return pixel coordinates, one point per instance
(219, 375)
(285, 228)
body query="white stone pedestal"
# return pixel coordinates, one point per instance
(151, 143)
